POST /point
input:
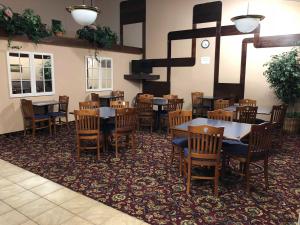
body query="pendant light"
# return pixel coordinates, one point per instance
(247, 23)
(83, 14)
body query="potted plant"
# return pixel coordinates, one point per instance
(27, 23)
(57, 28)
(101, 37)
(283, 74)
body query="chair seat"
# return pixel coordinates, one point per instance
(41, 116)
(235, 147)
(180, 141)
(57, 114)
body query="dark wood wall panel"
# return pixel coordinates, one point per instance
(157, 88)
(211, 12)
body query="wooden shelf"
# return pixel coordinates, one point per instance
(140, 77)
(75, 43)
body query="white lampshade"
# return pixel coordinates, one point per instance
(247, 23)
(83, 15)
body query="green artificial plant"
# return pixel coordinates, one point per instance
(283, 74)
(27, 23)
(102, 37)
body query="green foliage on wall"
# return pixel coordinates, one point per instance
(100, 36)
(27, 23)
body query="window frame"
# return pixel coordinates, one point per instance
(33, 93)
(99, 74)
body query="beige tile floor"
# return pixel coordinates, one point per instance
(28, 199)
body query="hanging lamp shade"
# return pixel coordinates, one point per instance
(83, 14)
(247, 23)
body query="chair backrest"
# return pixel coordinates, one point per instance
(125, 120)
(179, 117)
(247, 102)
(196, 98)
(94, 97)
(205, 142)
(89, 105)
(278, 114)
(119, 104)
(260, 139)
(179, 103)
(246, 114)
(63, 103)
(221, 104)
(170, 96)
(171, 105)
(27, 109)
(87, 122)
(145, 105)
(220, 114)
(145, 96)
(119, 94)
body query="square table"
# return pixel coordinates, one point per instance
(45, 104)
(105, 99)
(232, 130)
(260, 109)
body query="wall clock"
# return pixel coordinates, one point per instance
(205, 43)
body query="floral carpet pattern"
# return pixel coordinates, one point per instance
(142, 183)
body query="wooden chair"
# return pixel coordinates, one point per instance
(30, 120)
(125, 125)
(179, 142)
(277, 117)
(145, 96)
(172, 105)
(95, 97)
(88, 130)
(246, 114)
(247, 102)
(89, 105)
(248, 154)
(221, 104)
(119, 104)
(63, 111)
(198, 108)
(119, 94)
(145, 113)
(220, 114)
(204, 150)
(170, 96)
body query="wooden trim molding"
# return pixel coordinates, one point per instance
(74, 43)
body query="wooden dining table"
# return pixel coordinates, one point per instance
(105, 99)
(104, 112)
(232, 130)
(45, 104)
(260, 109)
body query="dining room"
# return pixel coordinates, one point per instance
(149, 112)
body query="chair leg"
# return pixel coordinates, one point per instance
(180, 160)
(98, 148)
(33, 129)
(50, 125)
(188, 186)
(216, 181)
(67, 122)
(78, 148)
(116, 140)
(266, 174)
(172, 154)
(247, 173)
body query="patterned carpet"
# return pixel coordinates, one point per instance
(144, 184)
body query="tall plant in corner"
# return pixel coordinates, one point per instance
(283, 74)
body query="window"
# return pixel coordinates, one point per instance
(99, 74)
(30, 74)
